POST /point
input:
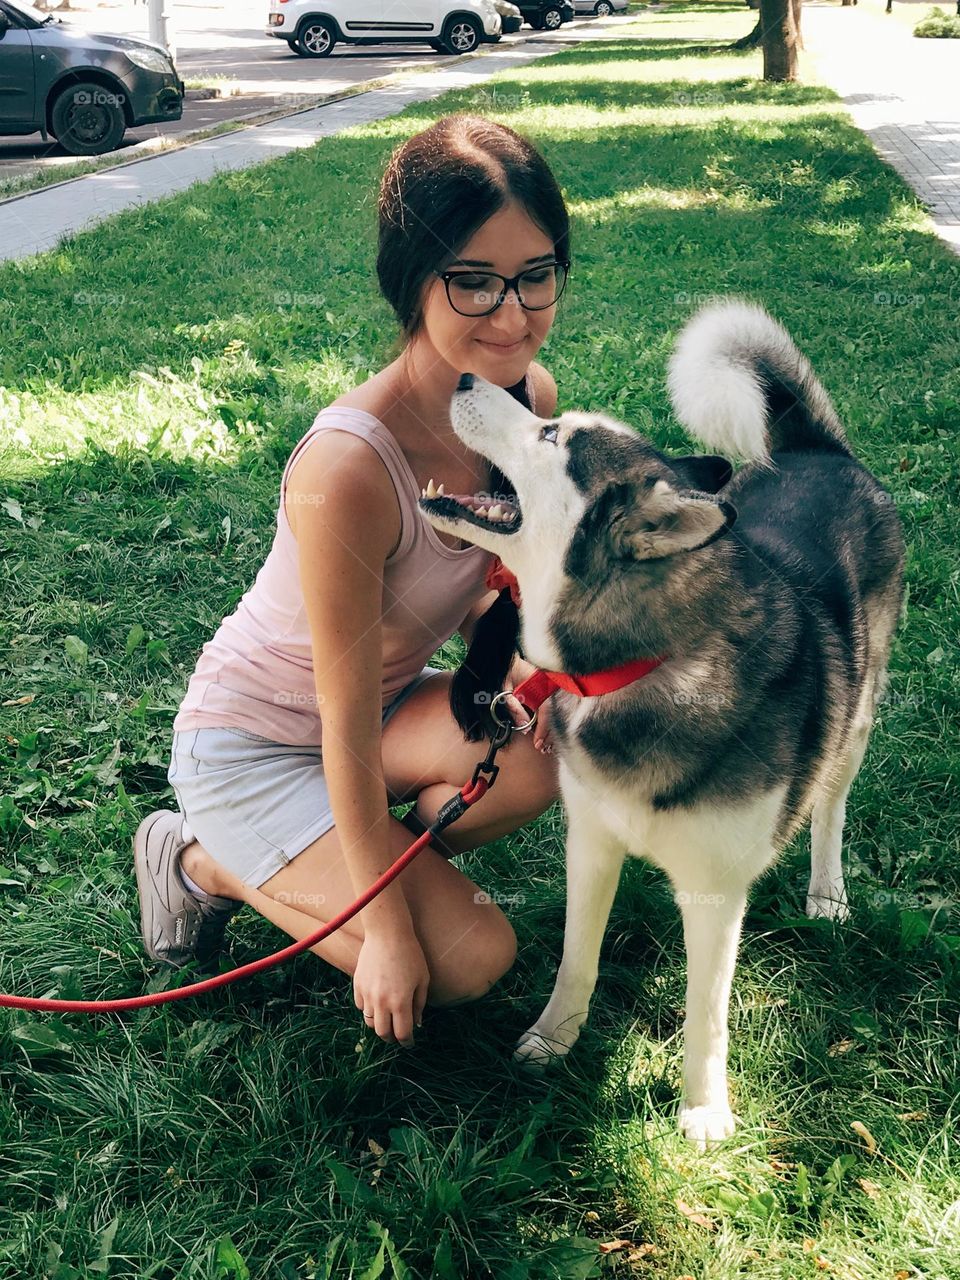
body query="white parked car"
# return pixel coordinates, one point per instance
(602, 8)
(311, 29)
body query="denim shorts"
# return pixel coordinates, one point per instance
(252, 803)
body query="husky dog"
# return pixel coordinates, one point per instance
(771, 594)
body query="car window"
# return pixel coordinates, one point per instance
(16, 11)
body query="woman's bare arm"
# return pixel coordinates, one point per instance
(344, 513)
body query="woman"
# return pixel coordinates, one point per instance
(358, 591)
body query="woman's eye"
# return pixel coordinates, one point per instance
(549, 432)
(470, 284)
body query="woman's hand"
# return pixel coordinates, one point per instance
(390, 984)
(542, 737)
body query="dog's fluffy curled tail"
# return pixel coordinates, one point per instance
(739, 384)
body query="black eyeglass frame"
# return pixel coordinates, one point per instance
(512, 283)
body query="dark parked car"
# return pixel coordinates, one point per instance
(546, 14)
(83, 88)
(511, 19)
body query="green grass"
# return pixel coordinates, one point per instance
(155, 372)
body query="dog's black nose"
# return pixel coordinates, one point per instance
(466, 382)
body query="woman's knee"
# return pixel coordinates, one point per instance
(480, 960)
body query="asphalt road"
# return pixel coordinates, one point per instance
(230, 46)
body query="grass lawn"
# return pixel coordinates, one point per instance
(154, 373)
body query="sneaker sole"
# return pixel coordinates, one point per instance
(145, 886)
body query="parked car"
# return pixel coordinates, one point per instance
(312, 28)
(511, 19)
(602, 8)
(546, 15)
(82, 87)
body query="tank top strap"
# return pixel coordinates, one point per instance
(359, 423)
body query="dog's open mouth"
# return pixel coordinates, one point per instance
(501, 514)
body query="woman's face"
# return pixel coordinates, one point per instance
(500, 346)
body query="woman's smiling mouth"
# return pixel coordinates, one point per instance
(504, 348)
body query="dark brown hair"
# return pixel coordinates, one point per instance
(439, 188)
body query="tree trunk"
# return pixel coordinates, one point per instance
(751, 40)
(779, 40)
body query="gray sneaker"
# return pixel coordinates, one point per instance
(177, 925)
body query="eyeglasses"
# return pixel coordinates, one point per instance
(478, 293)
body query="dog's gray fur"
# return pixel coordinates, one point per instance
(773, 595)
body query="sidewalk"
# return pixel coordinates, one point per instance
(36, 221)
(904, 93)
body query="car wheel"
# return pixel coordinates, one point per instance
(604, 9)
(88, 120)
(552, 19)
(461, 36)
(292, 44)
(315, 39)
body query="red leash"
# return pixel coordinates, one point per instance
(455, 807)
(530, 693)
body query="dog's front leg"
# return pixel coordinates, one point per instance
(594, 862)
(711, 931)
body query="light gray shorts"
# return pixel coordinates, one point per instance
(252, 803)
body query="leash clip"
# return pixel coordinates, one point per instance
(500, 737)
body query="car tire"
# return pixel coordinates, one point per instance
(315, 39)
(291, 42)
(603, 9)
(551, 19)
(461, 35)
(87, 119)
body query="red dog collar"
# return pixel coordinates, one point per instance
(539, 686)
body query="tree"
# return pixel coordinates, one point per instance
(778, 31)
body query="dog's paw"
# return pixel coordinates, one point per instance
(822, 907)
(535, 1051)
(702, 1125)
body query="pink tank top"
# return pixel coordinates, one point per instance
(257, 671)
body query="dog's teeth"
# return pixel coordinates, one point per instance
(431, 488)
(439, 490)
(496, 513)
(481, 511)
(423, 493)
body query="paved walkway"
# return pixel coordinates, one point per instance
(903, 92)
(36, 221)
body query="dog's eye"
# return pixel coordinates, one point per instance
(549, 432)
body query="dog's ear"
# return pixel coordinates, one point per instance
(649, 522)
(706, 472)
